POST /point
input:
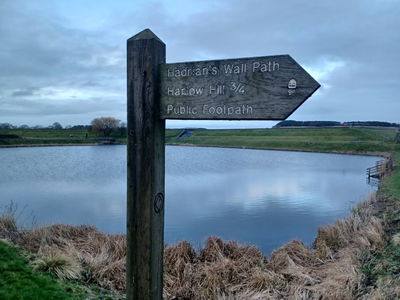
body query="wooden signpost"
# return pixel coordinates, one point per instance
(258, 88)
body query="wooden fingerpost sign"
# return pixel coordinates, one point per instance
(256, 88)
(146, 135)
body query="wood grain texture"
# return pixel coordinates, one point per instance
(257, 88)
(146, 161)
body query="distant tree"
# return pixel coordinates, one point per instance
(291, 123)
(371, 123)
(24, 126)
(56, 125)
(81, 127)
(6, 126)
(105, 125)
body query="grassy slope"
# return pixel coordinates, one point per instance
(60, 137)
(382, 271)
(304, 139)
(391, 186)
(49, 136)
(19, 281)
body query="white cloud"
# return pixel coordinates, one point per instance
(325, 69)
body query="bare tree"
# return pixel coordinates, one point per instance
(105, 125)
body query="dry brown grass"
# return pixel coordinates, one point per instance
(98, 258)
(221, 269)
(9, 229)
(60, 264)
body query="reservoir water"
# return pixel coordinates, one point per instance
(261, 197)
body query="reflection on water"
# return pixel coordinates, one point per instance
(261, 197)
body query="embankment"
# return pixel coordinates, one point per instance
(367, 141)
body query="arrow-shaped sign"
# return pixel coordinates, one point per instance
(257, 88)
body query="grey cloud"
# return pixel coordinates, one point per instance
(360, 34)
(40, 53)
(24, 92)
(42, 49)
(33, 45)
(54, 107)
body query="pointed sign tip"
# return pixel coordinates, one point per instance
(146, 34)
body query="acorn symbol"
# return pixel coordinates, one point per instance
(292, 84)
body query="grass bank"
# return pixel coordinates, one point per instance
(382, 271)
(20, 280)
(50, 137)
(60, 137)
(342, 140)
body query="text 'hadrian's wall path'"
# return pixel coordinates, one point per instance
(269, 87)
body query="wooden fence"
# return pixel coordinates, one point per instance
(381, 168)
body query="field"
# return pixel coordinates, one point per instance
(19, 280)
(299, 139)
(32, 137)
(345, 140)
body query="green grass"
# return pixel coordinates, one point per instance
(53, 136)
(19, 281)
(392, 184)
(385, 266)
(172, 133)
(304, 139)
(301, 139)
(46, 133)
(390, 189)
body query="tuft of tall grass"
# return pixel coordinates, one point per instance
(59, 264)
(9, 228)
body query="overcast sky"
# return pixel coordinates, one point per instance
(65, 61)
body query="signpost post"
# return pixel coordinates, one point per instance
(257, 88)
(145, 195)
